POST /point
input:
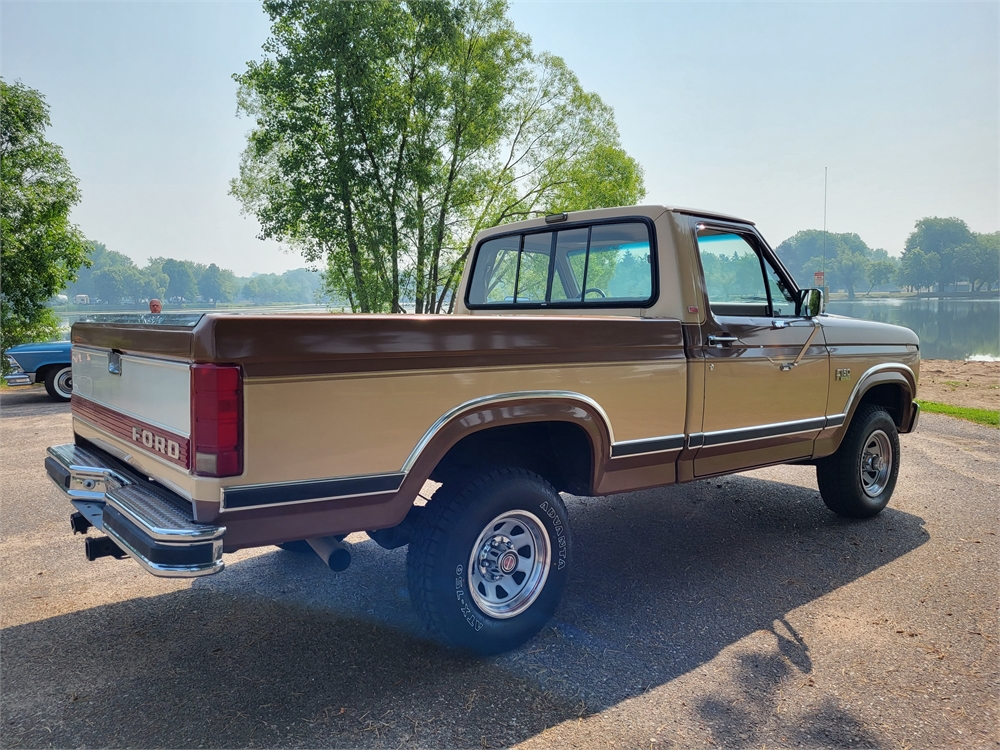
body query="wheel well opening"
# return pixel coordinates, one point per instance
(891, 397)
(43, 372)
(560, 452)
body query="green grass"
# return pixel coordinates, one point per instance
(979, 416)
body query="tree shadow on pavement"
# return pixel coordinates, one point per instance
(279, 651)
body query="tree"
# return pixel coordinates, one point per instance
(918, 269)
(40, 250)
(880, 269)
(181, 280)
(212, 285)
(942, 237)
(979, 261)
(387, 134)
(849, 269)
(109, 284)
(812, 250)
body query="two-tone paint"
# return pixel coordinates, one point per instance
(346, 417)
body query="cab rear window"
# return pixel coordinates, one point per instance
(600, 265)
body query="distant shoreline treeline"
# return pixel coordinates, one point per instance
(940, 255)
(114, 278)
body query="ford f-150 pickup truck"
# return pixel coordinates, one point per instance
(591, 353)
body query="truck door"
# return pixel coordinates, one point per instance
(766, 369)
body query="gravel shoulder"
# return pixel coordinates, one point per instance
(736, 612)
(973, 384)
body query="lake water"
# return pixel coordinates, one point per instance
(948, 328)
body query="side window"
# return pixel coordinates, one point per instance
(619, 266)
(571, 257)
(533, 277)
(782, 298)
(739, 282)
(606, 263)
(496, 270)
(733, 274)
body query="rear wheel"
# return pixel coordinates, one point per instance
(489, 562)
(857, 481)
(59, 383)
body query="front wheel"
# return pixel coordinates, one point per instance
(857, 481)
(59, 383)
(489, 562)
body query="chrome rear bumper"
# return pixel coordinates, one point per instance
(149, 522)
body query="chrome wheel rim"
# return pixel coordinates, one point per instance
(876, 463)
(509, 564)
(64, 383)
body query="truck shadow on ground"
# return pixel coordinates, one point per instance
(279, 651)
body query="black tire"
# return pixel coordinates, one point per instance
(59, 382)
(853, 482)
(455, 532)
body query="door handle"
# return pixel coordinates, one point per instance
(718, 339)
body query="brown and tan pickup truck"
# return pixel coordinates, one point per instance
(591, 353)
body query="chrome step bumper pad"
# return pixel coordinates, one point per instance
(149, 522)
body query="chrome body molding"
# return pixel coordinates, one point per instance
(760, 432)
(150, 523)
(495, 399)
(252, 496)
(647, 445)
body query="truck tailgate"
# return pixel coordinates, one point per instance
(141, 400)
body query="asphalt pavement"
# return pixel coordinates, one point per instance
(736, 612)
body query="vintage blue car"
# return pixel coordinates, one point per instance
(42, 363)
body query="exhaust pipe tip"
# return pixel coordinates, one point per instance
(334, 553)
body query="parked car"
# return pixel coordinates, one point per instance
(47, 363)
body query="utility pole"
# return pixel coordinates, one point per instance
(826, 286)
(824, 225)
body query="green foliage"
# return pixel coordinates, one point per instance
(880, 269)
(918, 269)
(40, 250)
(979, 261)
(217, 285)
(943, 238)
(183, 281)
(298, 286)
(986, 417)
(735, 277)
(386, 134)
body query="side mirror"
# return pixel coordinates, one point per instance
(810, 302)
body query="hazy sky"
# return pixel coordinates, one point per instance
(734, 107)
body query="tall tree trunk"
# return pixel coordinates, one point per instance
(345, 200)
(421, 255)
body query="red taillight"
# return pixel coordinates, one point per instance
(217, 420)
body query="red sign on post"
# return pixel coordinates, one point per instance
(818, 278)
